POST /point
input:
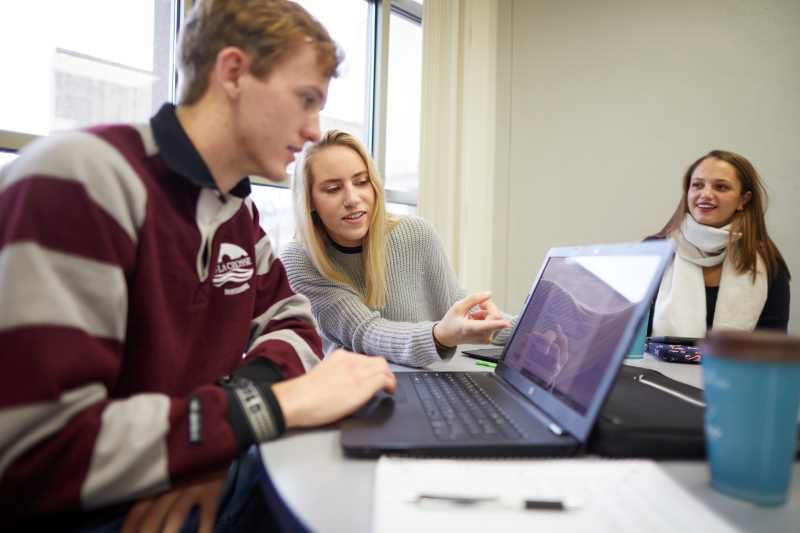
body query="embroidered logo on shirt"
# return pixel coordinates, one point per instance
(234, 267)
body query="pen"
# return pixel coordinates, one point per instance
(662, 388)
(466, 501)
(487, 364)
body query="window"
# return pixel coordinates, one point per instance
(346, 108)
(404, 90)
(82, 65)
(347, 22)
(360, 27)
(99, 61)
(277, 214)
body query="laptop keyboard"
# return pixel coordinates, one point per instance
(457, 408)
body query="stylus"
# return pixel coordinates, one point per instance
(662, 388)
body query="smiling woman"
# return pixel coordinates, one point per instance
(715, 193)
(342, 195)
(727, 272)
(378, 284)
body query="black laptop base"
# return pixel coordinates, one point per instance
(374, 430)
(491, 355)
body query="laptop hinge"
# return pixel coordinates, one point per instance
(555, 429)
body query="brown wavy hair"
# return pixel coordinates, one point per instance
(265, 29)
(749, 221)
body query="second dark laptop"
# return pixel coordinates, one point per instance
(576, 326)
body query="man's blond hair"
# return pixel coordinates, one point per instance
(265, 29)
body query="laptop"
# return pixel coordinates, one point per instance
(578, 322)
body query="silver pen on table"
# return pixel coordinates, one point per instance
(528, 504)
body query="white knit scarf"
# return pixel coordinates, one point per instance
(681, 304)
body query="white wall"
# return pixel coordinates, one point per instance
(602, 106)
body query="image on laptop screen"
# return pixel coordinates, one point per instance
(575, 320)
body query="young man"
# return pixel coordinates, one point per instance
(148, 335)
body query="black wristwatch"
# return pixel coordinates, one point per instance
(266, 424)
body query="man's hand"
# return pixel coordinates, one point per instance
(333, 389)
(470, 320)
(168, 511)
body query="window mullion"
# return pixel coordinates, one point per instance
(379, 78)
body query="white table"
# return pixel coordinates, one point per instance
(333, 493)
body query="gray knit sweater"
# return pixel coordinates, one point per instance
(420, 288)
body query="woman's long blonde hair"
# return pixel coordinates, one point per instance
(311, 232)
(749, 221)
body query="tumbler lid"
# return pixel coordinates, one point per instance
(760, 345)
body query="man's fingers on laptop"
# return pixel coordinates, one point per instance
(342, 383)
(376, 367)
(384, 381)
(371, 374)
(389, 382)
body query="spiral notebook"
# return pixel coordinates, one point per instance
(467, 495)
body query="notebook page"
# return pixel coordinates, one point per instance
(616, 496)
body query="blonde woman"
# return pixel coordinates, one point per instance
(727, 272)
(378, 284)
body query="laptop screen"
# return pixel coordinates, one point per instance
(575, 319)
